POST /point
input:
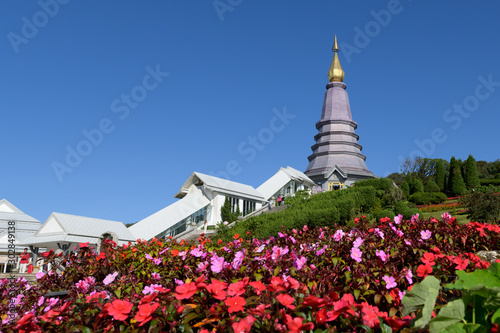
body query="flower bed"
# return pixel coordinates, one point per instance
(439, 207)
(326, 278)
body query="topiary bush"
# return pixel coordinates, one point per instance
(426, 198)
(385, 213)
(407, 214)
(431, 186)
(400, 207)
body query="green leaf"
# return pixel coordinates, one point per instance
(450, 314)
(86, 330)
(495, 319)
(356, 293)
(118, 292)
(384, 328)
(422, 296)
(277, 271)
(469, 280)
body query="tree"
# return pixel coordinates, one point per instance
(439, 175)
(482, 206)
(456, 186)
(226, 211)
(405, 188)
(417, 186)
(431, 186)
(471, 177)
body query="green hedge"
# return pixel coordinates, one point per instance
(486, 182)
(426, 198)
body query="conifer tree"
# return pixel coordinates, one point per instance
(226, 211)
(440, 172)
(405, 188)
(456, 185)
(471, 178)
(417, 186)
(431, 186)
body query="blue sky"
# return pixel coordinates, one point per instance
(222, 70)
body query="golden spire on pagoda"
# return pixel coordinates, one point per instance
(336, 73)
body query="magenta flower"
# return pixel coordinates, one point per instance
(299, 263)
(380, 233)
(381, 255)
(321, 251)
(338, 235)
(400, 233)
(446, 217)
(425, 234)
(356, 254)
(390, 281)
(407, 242)
(40, 275)
(217, 263)
(398, 219)
(82, 286)
(41, 300)
(155, 276)
(148, 256)
(150, 289)
(109, 278)
(279, 252)
(409, 276)
(238, 259)
(196, 252)
(358, 242)
(157, 261)
(414, 218)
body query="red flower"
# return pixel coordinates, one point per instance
(370, 315)
(424, 270)
(259, 286)
(461, 263)
(286, 300)
(101, 256)
(174, 252)
(295, 324)
(148, 298)
(96, 297)
(244, 325)
(276, 284)
(119, 309)
(237, 288)
(145, 313)
(385, 219)
(321, 316)
(291, 282)
(187, 290)
(259, 310)
(216, 288)
(428, 258)
(82, 245)
(314, 302)
(235, 304)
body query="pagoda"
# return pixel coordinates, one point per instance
(336, 161)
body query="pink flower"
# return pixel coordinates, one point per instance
(398, 219)
(338, 235)
(321, 251)
(356, 254)
(446, 217)
(299, 263)
(425, 234)
(407, 242)
(238, 259)
(401, 294)
(196, 252)
(409, 276)
(380, 233)
(109, 278)
(148, 290)
(390, 281)
(278, 252)
(381, 255)
(41, 300)
(155, 276)
(82, 286)
(217, 264)
(358, 242)
(400, 233)
(414, 218)
(40, 275)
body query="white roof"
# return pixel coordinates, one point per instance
(160, 221)
(280, 179)
(220, 185)
(61, 227)
(9, 212)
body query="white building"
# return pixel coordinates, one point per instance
(64, 231)
(202, 197)
(22, 226)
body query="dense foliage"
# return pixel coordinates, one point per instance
(482, 205)
(471, 177)
(426, 198)
(333, 278)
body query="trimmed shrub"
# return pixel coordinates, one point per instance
(486, 182)
(417, 186)
(440, 175)
(400, 207)
(407, 214)
(456, 185)
(385, 213)
(471, 177)
(427, 198)
(431, 186)
(384, 184)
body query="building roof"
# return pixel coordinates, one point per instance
(220, 185)
(61, 227)
(9, 212)
(192, 201)
(280, 179)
